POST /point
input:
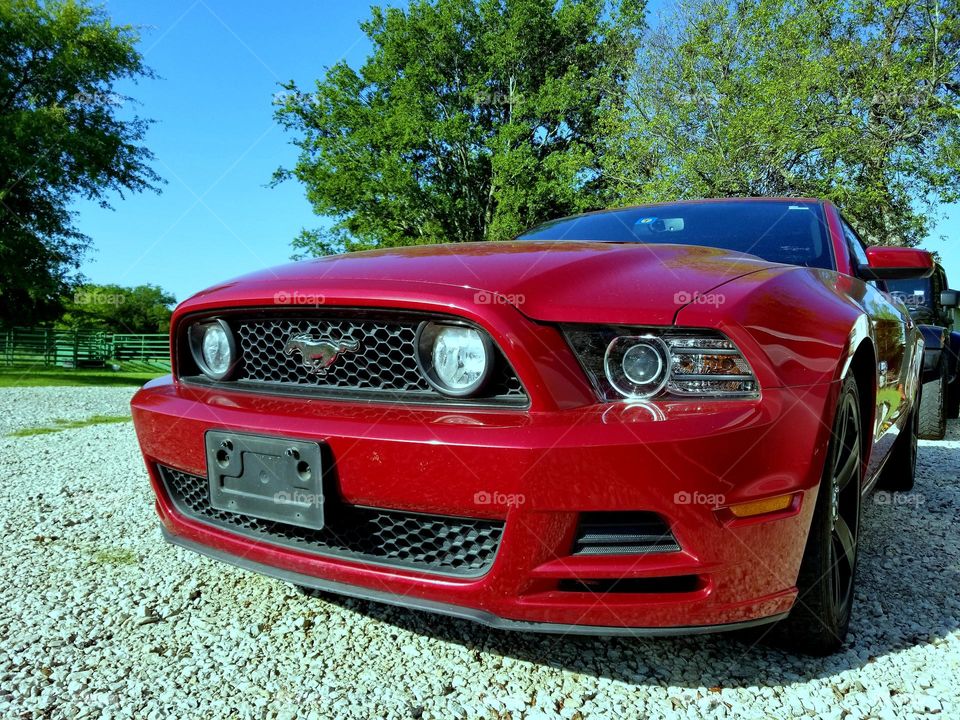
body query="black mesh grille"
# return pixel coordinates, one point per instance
(433, 543)
(383, 364)
(623, 533)
(385, 359)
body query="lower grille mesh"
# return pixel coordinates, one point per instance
(433, 543)
(623, 533)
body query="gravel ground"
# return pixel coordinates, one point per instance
(102, 619)
(34, 407)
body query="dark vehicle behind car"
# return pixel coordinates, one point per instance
(933, 305)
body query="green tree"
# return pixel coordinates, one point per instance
(852, 100)
(471, 120)
(61, 137)
(141, 309)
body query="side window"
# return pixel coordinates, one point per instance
(857, 250)
(938, 283)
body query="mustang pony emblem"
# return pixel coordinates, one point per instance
(318, 355)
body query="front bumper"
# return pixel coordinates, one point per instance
(463, 613)
(684, 461)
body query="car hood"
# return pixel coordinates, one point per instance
(547, 281)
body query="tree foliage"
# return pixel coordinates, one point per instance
(852, 100)
(471, 120)
(61, 137)
(141, 309)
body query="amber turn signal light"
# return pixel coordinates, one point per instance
(761, 507)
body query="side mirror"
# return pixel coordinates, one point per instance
(949, 298)
(895, 263)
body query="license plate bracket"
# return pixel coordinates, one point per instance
(266, 477)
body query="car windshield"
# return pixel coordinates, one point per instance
(912, 293)
(781, 231)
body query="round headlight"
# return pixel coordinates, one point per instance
(213, 348)
(642, 364)
(637, 366)
(455, 359)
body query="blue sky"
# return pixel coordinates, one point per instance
(215, 140)
(216, 143)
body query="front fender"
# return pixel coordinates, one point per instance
(935, 339)
(797, 326)
(953, 358)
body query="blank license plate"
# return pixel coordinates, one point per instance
(266, 477)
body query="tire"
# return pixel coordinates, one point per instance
(900, 472)
(818, 622)
(953, 397)
(933, 400)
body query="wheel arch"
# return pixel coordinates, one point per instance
(954, 356)
(935, 340)
(863, 368)
(861, 365)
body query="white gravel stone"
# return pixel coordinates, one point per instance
(36, 407)
(101, 618)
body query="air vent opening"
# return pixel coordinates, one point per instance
(672, 584)
(623, 533)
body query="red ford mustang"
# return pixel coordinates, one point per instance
(651, 420)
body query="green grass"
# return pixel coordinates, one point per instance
(38, 377)
(115, 556)
(889, 395)
(60, 425)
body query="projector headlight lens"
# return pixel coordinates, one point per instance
(455, 359)
(642, 364)
(636, 366)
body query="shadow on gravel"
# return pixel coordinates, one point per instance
(907, 579)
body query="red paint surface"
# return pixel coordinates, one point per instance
(568, 452)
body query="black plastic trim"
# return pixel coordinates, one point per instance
(372, 397)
